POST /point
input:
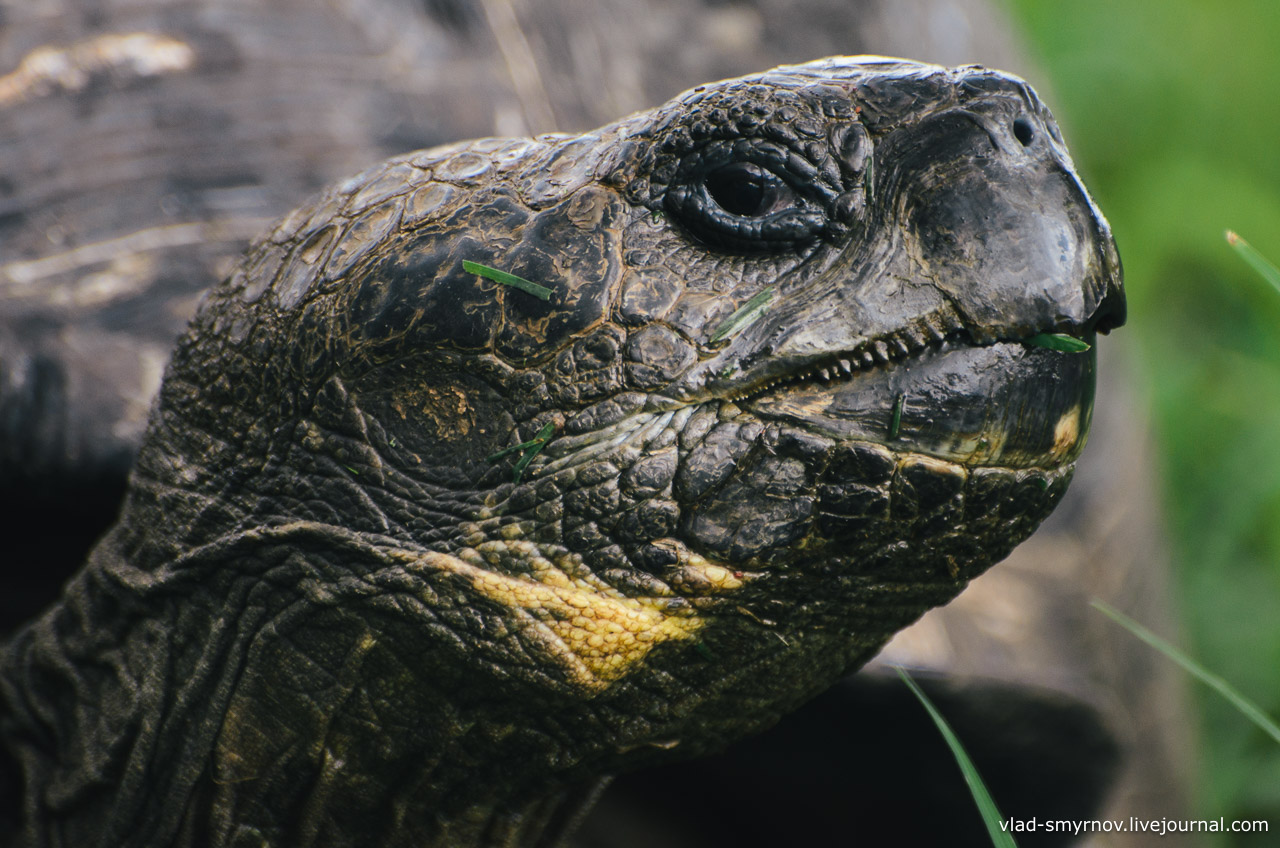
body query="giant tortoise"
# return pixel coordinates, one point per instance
(391, 467)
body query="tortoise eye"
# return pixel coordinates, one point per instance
(742, 207)
(747, 190)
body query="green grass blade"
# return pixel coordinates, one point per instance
(1213, 681)
(522, 447)
(1059, 342)
(507, 279)
(1260, 263)
(528, 450)
(743, 315)
(1000, 837)
(538, 443)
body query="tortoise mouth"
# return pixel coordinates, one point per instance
(1004, 404)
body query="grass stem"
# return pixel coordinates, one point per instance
(1000, 836)
(743, 315)
(1213, 681)
(507, 279)
(1060, 342)
(1260, 263)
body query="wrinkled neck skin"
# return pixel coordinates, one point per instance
(413, 557)
(300, 682)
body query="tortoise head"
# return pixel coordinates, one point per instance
(778, 400)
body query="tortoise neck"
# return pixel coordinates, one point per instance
(231, 709)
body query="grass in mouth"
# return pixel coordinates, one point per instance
(507, 279)
(1059, 342)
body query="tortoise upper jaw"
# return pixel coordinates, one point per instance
(1001, 405)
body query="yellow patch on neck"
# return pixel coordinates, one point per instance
(592, 631)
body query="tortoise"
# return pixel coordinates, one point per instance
(164, 272)
(511, 464)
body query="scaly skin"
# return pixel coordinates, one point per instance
(329, 615)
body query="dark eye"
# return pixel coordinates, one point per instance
(742, 207)
(747, 190)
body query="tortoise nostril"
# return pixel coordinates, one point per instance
(1023, 132)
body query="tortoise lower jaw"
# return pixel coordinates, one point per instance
(1001, 405)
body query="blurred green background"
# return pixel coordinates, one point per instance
(1172, 111)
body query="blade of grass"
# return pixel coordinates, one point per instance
(1000, 837)
(743, 315)
(1059, 342)
(895, 421)
(507, 279)
(1260, 263)
(528, 450)
(522, 447)
(1213, 681)
(539, 442)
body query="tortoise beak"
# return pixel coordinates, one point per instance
(1000, 224)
